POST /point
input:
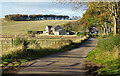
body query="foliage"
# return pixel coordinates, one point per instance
(93, 35)
(106, 54)
(21, 17)
(84, 28)
(107, 59)
(92, 21)
(24, 41)
(72, 26)
(103, 15)
(82, 33)
(106, 12)
(108, 43)
(19, 41)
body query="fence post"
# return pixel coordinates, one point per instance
(12, 42)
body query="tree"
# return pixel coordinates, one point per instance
(111, 7)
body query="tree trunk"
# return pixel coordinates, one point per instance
(115, 12)
(104, 31)
(101, 31)
(115, 25)
(106, 28)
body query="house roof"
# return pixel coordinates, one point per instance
(55, 26)
(59, 30)
(49, 26)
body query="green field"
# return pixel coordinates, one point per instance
(18, 27)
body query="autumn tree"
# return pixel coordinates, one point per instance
(112, 8)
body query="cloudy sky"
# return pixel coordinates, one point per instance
(27, 7)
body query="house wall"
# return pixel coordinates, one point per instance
(53, 31)
(62, 32)
(47, 29)
(56, 33)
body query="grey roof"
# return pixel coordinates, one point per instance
(49, 26)
(55, 26)
(59, 30)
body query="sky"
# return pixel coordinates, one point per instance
(22, 7)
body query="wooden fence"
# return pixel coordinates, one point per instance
(37, 36)
(8, 43)
(53, 43)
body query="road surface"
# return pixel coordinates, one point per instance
(70, 63)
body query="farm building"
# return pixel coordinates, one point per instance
(54, 30)
(93, 29)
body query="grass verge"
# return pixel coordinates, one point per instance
(107, 58)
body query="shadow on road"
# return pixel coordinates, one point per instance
(70, 63)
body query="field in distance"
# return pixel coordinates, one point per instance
(17, 27)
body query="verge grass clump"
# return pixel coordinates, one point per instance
(106, 54)
(109, 60)
(108, 43)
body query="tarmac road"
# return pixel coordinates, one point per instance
(70, 63)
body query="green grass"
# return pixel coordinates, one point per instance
(17, 27)
(108, 43)
(104, 56)
(106, 59)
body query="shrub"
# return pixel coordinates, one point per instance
(81, 33)
(116, 40)
(19, 41)
(22, 41)
(29, 32)
(108, 43)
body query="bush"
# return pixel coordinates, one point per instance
(108, 43)
(82, 33)
(29, 32)
(19, 41)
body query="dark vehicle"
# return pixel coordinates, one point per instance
(93, 31)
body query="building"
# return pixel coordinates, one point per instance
(54, 30)
(93, 29)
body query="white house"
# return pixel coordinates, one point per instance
(54, 30)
